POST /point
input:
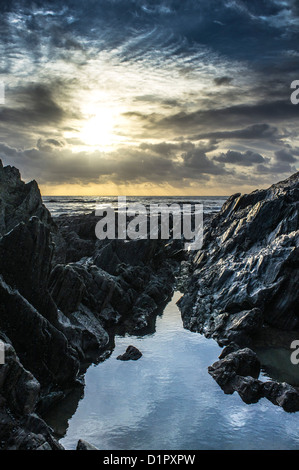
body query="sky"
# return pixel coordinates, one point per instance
(148, 97)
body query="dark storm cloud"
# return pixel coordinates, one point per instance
(253, 132)
(230, 116)
(278, 168)
(247, 158)
(196, 160)
(168, 149)
(121, 167)
(141, 28)
(223, 80)
(32, 104)
(286, 156)
(53, 163)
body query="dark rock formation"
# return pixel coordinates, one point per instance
(243, 362)
(116, 280)
(42, 348)
(239, 371)
(61, 290)
(131, 354)
(19, 201)
(246, 273)
(282, 394)
(25, 263)
(20, 427)
(244, 281)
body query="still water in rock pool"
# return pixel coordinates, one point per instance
(166, 400)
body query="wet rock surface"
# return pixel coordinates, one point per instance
(249, 260)
(238, 371)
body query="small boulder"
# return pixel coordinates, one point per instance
(243, 362)
(131, 354)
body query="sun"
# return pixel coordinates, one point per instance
(97, 130)
(102, 124)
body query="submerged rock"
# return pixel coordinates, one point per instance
(83, 445)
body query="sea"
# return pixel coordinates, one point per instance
(78, 205)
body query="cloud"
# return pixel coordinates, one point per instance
(166, 148)
(51, 163)
(201, 89)
(230, 116)
(253, 132)
(32, 104)
(196, 160)
(286, 156)
(223, 80)
(248, 158)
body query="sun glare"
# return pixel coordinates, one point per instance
(98, 129)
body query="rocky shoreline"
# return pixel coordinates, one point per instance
(244, 281)
(63, 292)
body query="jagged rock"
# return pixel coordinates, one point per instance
(243, 362)
(249, 260)
(282, 394)
(25, 264)
(25, 433)
(238, 371)
(131, 354)
(83, 445)
(60, 289)
(249, 388)
(67, 288)
(94, 336)
(26, 260)
(231, 347)
(244, 279)
(17, 385)
(129, 252)
(19, 201)
(241, 326)
(42, 348)
(133, 294)
(20, 427)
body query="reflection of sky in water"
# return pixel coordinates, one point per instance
(167, 400)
